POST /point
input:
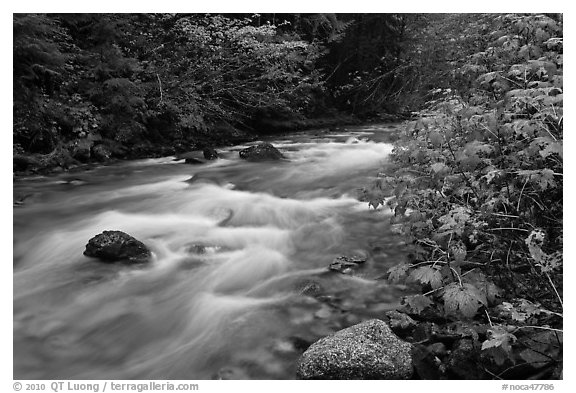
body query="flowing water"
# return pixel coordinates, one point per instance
(238, 284)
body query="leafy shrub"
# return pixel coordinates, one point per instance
(478, 185)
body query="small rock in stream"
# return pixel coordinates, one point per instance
(210, 153)
(196, 249)
(117, 246)
(310, 288)
(231, 373)
(345, 265)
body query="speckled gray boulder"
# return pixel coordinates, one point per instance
(261, 152)
(368, 350)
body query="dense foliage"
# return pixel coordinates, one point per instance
(93, 86)
(478, 192)
(121, 80)
(365, 63)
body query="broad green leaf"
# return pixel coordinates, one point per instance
(465, 299)
(492, 174)
(477, 147)
(458, 251)
(398, 272)
(486, 79)
(454, 220)
(435, 138)
(485, 285)
(544, 178)
(552, 148)
(546, 262)
(417, 303)
(427, 275)
(439, 167)
(499, 337)
(520, 310)
(470, 111)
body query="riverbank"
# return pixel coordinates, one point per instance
(79, 154)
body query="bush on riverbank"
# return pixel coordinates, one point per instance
(478, 194)
(88, 87)
(133, 82)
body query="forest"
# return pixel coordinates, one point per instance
(475, 179)
(86, 86)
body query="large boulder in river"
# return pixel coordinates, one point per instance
(261, 152)
(117, 246)
(368, 350)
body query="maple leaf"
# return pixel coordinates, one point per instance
(458, 251)
(465, 299)
(527, 308)
(487, 287)
(492, 173)
(549, 146)
(454, 221)
(427, 275)
(520, 310)
(417, 303)
(488, 78)
(435, 138)
(543, 177)
(499, 337)
(546, 262)
(439, 167)
(523, 127)
(553, 261)
(476, 147)
(397, 273)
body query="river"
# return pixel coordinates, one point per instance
(238, 285)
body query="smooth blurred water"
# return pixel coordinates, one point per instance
(240, 309)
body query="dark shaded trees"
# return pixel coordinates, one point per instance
(362, 64)
(88, 79)
(39, 70)
(170, 79)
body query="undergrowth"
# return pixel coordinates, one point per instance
(478, 193)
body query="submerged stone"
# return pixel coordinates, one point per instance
(231, 373)
(193, 161)
(117, 246)
(345, 264)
